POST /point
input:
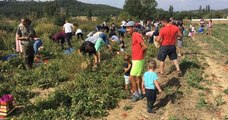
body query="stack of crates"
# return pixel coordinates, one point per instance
(6, 105)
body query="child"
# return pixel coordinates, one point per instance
(122, 44)
(127, 70)
(148, 85)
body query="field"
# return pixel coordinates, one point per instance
(64, 89)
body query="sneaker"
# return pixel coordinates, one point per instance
(141, 96)
(134, 98)
(149, 110)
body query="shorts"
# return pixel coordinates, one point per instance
(126, 78)
(180, 43)
(137, 67)
(121, 49)
(167, 50)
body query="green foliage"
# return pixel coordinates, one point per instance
(194, 78)
(226, 91)
(127, 107)
(201, 103)
(219, 100)
(133, 7)
(143, 9)
(172, 117)
(34, 9)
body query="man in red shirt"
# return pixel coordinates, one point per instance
(167, 39)
(138, 52)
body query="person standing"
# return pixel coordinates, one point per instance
(25, 33)
(149, 85)
(68, 28)
(210, 24)
(167, 39)
(138, 53)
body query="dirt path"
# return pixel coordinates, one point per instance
(217, 72)
(168, 106)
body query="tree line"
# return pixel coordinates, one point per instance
(147, 9)
(17, 9)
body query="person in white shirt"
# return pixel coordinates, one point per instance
(79, 34)
(68, 28)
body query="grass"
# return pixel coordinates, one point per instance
(219, 100)
(201, 103)
(172, 117)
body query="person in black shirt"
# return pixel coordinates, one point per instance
(127, 69)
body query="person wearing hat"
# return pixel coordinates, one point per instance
(138, 53)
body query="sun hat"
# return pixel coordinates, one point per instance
(130, 24)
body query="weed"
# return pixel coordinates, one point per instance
(201, 103)
(194, 78)
(219, 101)
(127, 107)
(172, 117)
(226, 91)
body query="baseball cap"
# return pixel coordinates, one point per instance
(130, 24)
(104, 37)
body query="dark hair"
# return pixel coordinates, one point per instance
(51, 36)
(165, 19)
(127, 58)
(152, 64)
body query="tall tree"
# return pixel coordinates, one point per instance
(171, 10)
(200, 9)
(148, 8)
(133, 7)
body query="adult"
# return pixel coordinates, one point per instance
(93, 44)
(167, 39)
(59, 37)
(68, 28)
(138, 53)
(25, 34)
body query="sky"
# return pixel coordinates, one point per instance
(179, 5)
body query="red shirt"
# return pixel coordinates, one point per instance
(169, 35)
(137, 51)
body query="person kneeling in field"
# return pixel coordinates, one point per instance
(150, 84)
(92, 46)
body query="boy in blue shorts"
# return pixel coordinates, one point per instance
(150, 84)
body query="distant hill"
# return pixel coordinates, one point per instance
(12, 8)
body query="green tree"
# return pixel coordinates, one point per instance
(90, 14)
(200, 9)
(148, 8)
(171, 10)
(133, 7)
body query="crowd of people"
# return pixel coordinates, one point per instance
(166, 35)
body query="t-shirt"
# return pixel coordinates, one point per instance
(126, 66)
(58, 36)
(149, 78)
(169, 34)
(99, 43)
(93, 38)
(78, 31)
(137, 51)
(68, 27)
